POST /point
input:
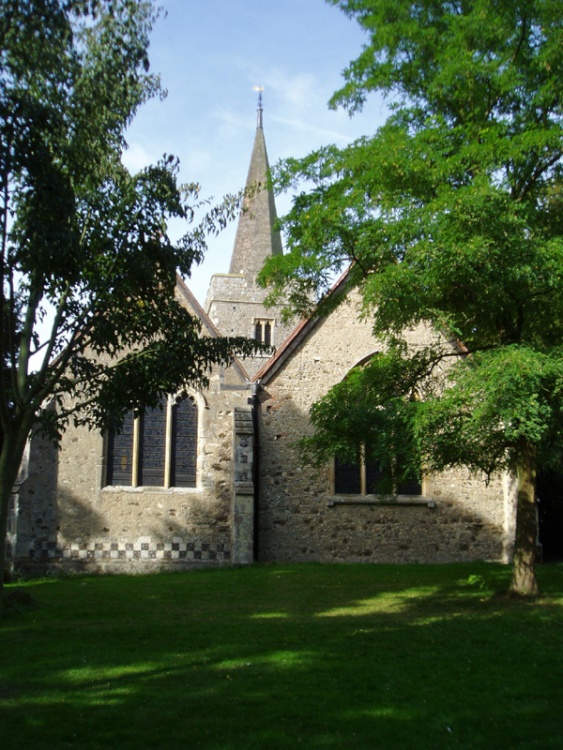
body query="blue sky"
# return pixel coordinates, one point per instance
(210, 54)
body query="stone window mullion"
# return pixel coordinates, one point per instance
(136, 448)
(363, 470)
(168, 444)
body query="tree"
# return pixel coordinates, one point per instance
(450, 214)
(84, 248)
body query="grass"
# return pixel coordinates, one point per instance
(276, 657)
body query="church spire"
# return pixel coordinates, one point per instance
(256, 239)
(235, 303)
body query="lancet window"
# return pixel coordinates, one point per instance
(263, 331)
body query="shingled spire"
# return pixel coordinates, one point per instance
(235, 303)
(256, 238)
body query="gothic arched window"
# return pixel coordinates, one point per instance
(156, 449)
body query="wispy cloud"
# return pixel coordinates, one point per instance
(137, 156)
(328, 136)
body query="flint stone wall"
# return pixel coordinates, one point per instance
(69, 519)
(459, 518)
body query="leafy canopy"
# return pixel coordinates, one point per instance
(451, 213)
(84, 244)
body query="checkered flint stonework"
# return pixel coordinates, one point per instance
(143, 548)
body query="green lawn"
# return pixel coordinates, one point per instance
(272, 657)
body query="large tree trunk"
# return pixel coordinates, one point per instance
(4, 506)
(523, 572)
(10, 459)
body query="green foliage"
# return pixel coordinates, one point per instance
(376, 417)
(497, 400)
(450, 214)
(84, 243)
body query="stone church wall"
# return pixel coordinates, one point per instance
(70, 520)
(458, 518)
(64, 516)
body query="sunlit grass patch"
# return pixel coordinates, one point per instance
(391, 603)
(282, 659)
(270, 615)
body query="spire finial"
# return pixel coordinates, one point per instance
(260, 111)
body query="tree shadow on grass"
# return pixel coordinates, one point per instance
(278, 657)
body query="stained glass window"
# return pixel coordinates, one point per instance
(184, 444)
(158, 449)
(374, 476)
(347, 478)
(120, 454)
(152, 446)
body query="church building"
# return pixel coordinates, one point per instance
(214, 478)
